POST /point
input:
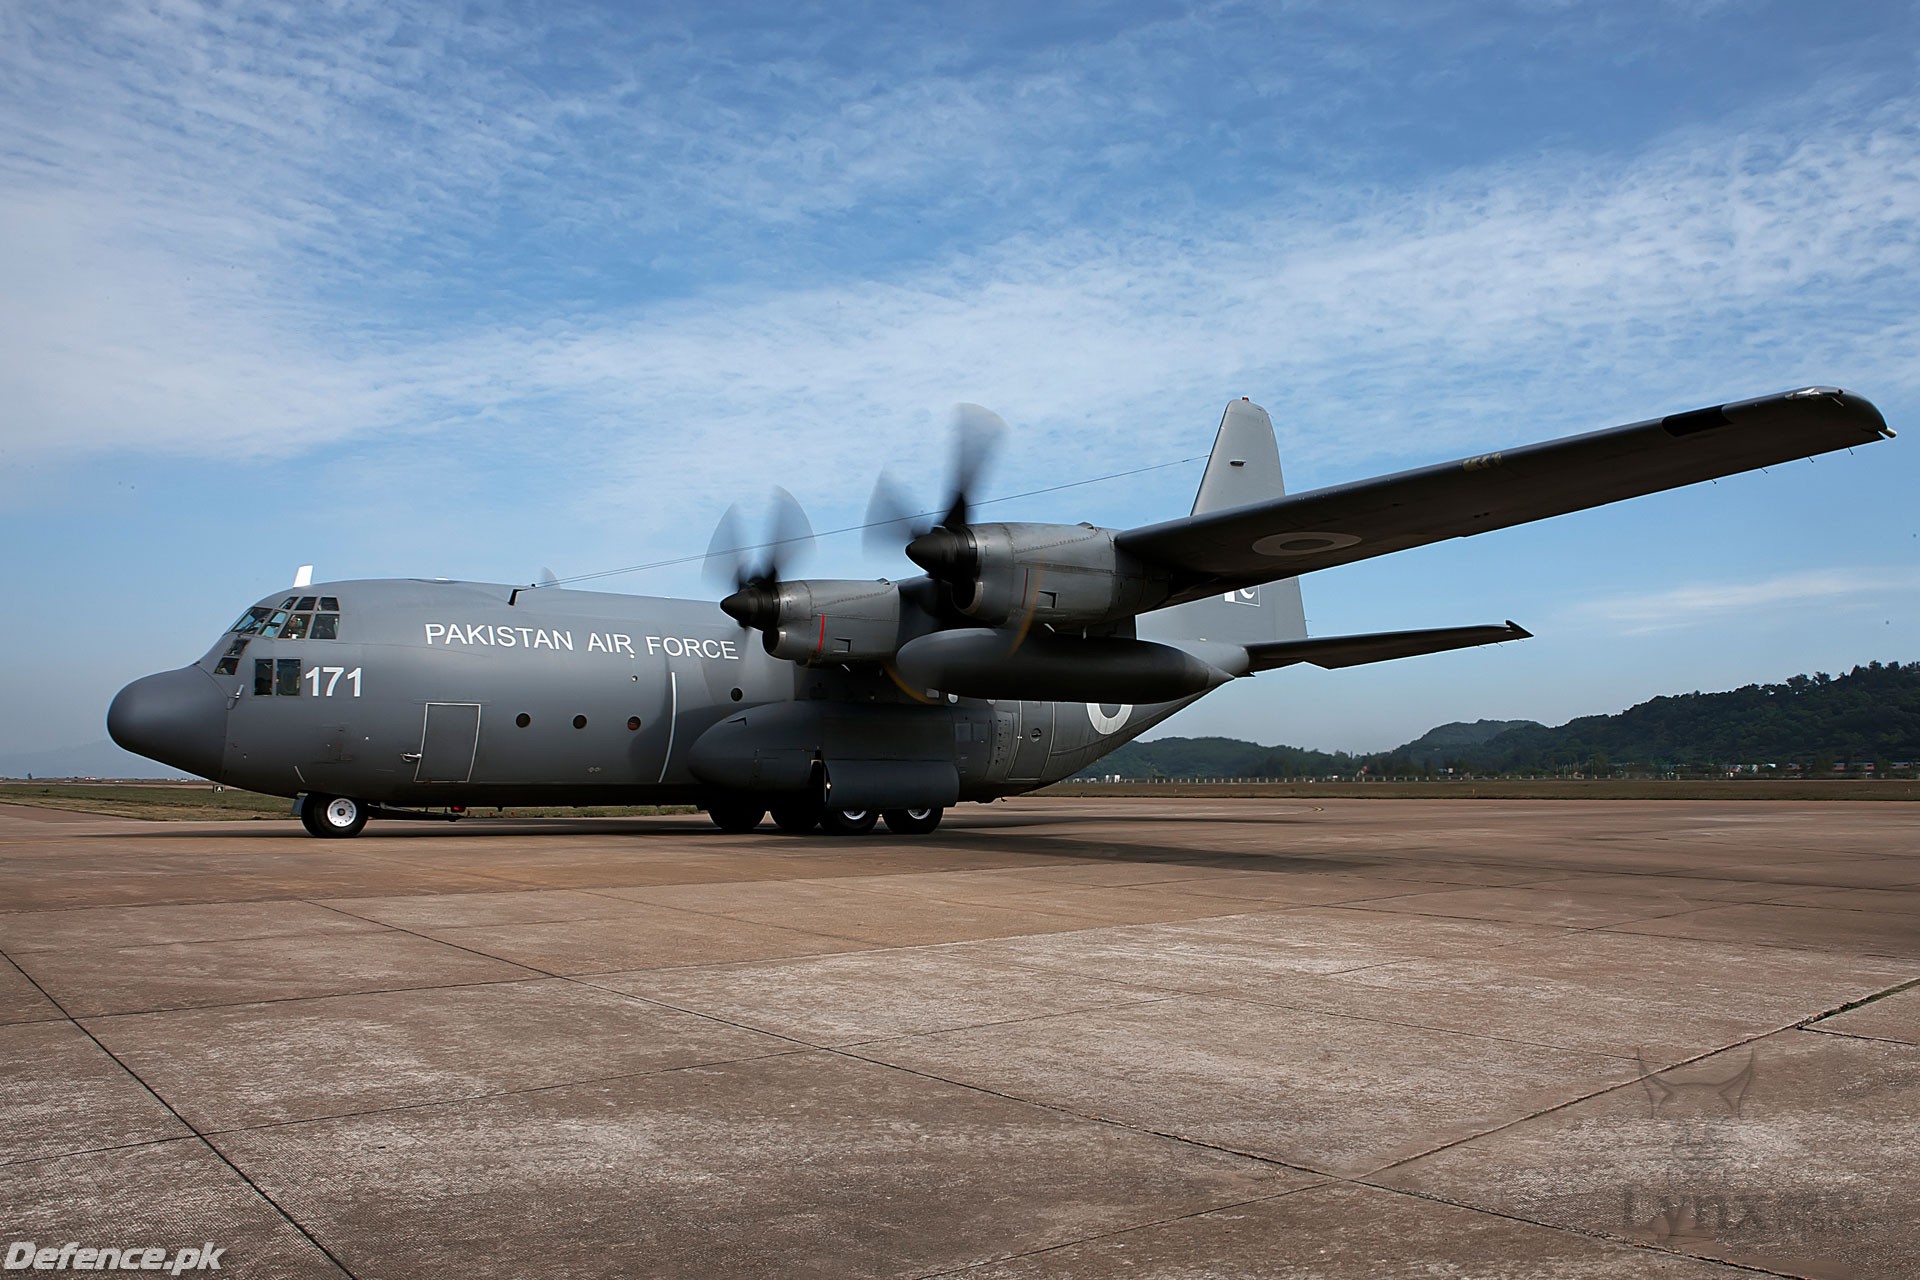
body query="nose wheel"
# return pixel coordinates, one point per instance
(332, 817)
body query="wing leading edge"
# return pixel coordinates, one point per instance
(1286, 537)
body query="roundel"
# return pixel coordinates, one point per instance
(1303, 544)
(1109, 720)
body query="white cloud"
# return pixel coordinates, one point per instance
(1711, 603)
(215, 224)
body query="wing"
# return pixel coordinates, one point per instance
(1289, 536)
(1379, 646)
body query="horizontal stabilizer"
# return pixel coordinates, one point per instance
(1379, 646)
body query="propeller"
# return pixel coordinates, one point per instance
(754, 570)
(939, 544)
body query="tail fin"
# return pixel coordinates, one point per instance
(1244, 468)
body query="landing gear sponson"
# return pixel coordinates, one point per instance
(340, 817)
(799, 816)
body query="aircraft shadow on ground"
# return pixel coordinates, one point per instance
(994, 834)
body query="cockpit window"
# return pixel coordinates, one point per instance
(249, 622)
(230, 660)
(295, 619)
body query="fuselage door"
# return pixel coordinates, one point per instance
(449, 739)
(1030, 750)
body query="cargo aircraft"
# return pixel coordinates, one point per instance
(1021, 655)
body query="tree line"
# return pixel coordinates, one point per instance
(1807, 724)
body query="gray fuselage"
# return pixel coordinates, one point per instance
(436, 693)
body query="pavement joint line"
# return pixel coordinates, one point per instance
(1043, 1250)
(270, 1001)
(1571, 1229)
(467, 1099)
(1850, 1005)
(1078, 923)
(877, 1041)
(192, 1129)
(1855, 1035)
(1610, 924)
(1769, 943)
(1585, 1097)
(582, 981)
(71, 1152)
(1060, 1109)
(321, 995)
(861, 943)
(843, 1051)
(1243, 998)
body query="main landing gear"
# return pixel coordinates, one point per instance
(800, 816)
(332, 817)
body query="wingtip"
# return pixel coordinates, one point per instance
(1519, 632)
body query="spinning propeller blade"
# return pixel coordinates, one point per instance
(934, 542)
(754, 571)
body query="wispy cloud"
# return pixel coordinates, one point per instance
(254, 233)
(1705, 603)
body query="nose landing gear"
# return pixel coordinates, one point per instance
(332, 817)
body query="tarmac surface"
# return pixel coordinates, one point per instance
(1057, 1038)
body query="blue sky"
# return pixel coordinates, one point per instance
(469, 290)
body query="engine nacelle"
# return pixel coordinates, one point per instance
(1063, 575)
(975, 662)
(822, 620)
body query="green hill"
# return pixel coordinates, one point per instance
(1435, 746)
(1219, 758)
(1871, 714)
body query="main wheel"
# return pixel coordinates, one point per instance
(912, 822)
(796, 817)
(736, 816)
(848, 822)
(332, 817)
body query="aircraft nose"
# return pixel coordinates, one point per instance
(175, 717)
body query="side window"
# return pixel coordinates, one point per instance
(230, 660)
(330, 604)
(326, 626)
(263, 676)
(286, 677)
(296, 627)
(305, 604)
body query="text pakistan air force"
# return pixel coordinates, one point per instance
(491, 635)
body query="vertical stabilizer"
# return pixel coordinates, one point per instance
(1243, 468)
